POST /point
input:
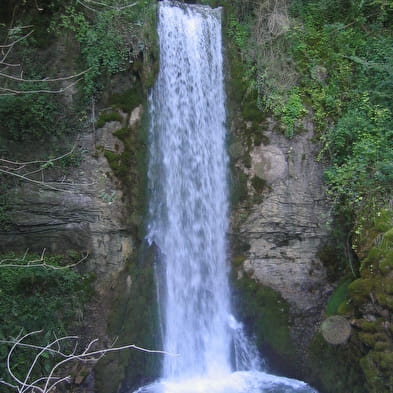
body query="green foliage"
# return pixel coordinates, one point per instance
(30, 117)
(38, 298)
(238, 32)
(347, 81)
(105, 117)
(109, 40)
(361, 149)
(290, 112)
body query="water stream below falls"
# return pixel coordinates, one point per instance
(188, 180)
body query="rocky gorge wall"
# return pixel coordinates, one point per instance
(86, 212)
(278, 229)
(280, 223)
(96, 208)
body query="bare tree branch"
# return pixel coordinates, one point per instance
(40, 183)
(47, 383)
(44, 79)
(13, 92)
(39, 262)
(100, 4)
(24, 163)
(14, 168)
(11, 44)
(6, 50)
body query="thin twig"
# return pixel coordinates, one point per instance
(38, 262)
(46, 383)
(24, 163)
(12, 92)
(64, 78)
(40, 183)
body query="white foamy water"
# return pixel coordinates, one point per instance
(189, 215)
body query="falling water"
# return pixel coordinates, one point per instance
(189, 215)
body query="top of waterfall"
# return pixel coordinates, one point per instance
(198, 7)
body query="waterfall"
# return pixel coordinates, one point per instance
(208, 351)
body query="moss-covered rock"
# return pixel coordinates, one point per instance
(368, 356)
(130, 165)
(258, 184)
(134, 315)
(361, 289)
(266, 314)
(128, 99)
(338, 297)
(108, 116)
(336, 369)
(133, 321)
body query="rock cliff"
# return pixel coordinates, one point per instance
(283, 223)
(83, 210)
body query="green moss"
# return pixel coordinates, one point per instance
(239, 190)
(130, 167)
(336, 369)
(386, 263)
(386, 360)
(122, 133)
(346, 307)
(372, 365)
(332, 253)
(381, 346)
(238, 260)
(258, 184)
(128, 100)
(339, 296)
(387, 285)
(260, 138)
(133, 321)
(106, 117)
(243, 96)
(266, 314)
(387, 239)
(384, 299)
(369, 326)
(250, 110)
(373, 256)
(369, 339)
(361, 289)
(383, 220)
(237, 85)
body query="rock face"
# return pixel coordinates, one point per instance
(283, 224)
(82, 211)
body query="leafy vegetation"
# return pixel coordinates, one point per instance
(94, 41)
(42, 117)
(110, 39)
(351, 99)
(39, 298)
(332, 62)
